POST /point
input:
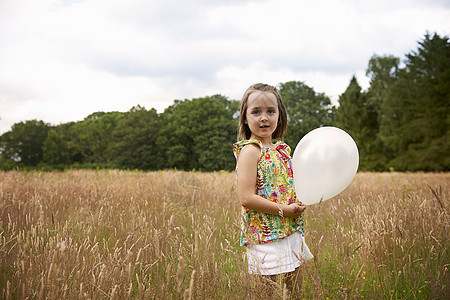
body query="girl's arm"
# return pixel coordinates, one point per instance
(246, 186)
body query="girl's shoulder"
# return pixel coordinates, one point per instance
(239, 146)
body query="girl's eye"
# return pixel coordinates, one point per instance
(255, 112)
(271, 111)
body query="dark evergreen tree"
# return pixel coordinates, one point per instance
(415, 114)
(352, 115)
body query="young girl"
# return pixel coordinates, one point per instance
(272, 227)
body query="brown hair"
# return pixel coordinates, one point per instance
(244, 131)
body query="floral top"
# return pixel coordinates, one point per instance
(274, 182)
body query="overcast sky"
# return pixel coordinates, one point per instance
(61, 60)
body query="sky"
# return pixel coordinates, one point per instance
(61, 60)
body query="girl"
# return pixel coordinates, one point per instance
(272, 227)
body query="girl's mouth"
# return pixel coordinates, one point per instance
(264, 126)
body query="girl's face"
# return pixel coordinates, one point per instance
(262, 115)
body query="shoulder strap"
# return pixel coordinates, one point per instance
(283, 148)
(237, 147)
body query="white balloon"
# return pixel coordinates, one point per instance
(325, 162)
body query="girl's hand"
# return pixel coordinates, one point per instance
(294, 210)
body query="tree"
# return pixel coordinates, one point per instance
(306, 110)
(198, 134)
(349, 114)
(415, 114)
(23, 144)
(382, 71)
(8, 156)
(55, 148)
(93, 134)
(60, 147)
(134, 140)
(354, 116)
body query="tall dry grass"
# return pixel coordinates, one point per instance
(174, 235)
(385, 237)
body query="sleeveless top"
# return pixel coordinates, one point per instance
(275, 183)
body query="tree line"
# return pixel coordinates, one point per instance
(399, 123)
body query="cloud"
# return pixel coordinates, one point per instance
(62, 60)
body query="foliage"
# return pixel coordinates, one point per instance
(23, 144)
(134, 140)
(195, 133)
(94, 134)
(306, 110)
(415, 115)
(358, 116)
(400, 122)
(59, 147)
(382, 71)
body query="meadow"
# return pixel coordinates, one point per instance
(110, 234)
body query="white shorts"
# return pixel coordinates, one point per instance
(278, 257)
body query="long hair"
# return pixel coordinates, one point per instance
(244, 132)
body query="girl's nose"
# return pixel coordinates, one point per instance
(264, 117)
